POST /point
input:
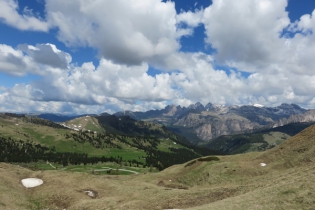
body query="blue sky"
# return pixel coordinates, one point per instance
(109, 56)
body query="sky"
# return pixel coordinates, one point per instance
(93, 56)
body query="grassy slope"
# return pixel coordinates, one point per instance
(233, 182)
(50, 137)
(64, 141)
(86, 123)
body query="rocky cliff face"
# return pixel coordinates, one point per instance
(209, 131)
(211, 121)
(208, 125)
(308, 116)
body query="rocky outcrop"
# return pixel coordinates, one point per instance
(308, 116)
(208, 126)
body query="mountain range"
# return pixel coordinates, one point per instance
(203, 123)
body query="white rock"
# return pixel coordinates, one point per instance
(31, 182)
(263, 164)
(90, 193)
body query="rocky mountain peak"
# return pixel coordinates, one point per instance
(209, 107)
(284, 106)
(290, 109)
(170, 107)
(295, 106)
(170, 110)
(197, 106)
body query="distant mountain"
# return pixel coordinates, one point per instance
(203, 123)
(257, 141)
(58, 118)
(308, 116)
(126, 125)
(104, 114)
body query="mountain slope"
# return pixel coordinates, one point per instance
(84, 123)
(57, 118)
(128, 126)
(298, 150)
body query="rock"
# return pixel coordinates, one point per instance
(90, 193)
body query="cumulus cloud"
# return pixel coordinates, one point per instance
(253, 38)
(246, 31)
(26, 21)
(12, 103)
(14, 62)
(192, 19)
(305, 25)
(132, 36)
(47, 54)
(29, 59)
(92, 85)
(113, 87)
(127, 32)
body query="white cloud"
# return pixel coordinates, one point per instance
(192, 19)
(30, 59)
(14, 62)
(47, 54)
(89, 85)
(9, 15)
(250, 37)
(305, 25)
(127, 32)
(135, 34)
(246, 31)
(113, 87)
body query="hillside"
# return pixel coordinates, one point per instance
(27, 139)
(298, 150)
(84, 123)
(223, 182)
